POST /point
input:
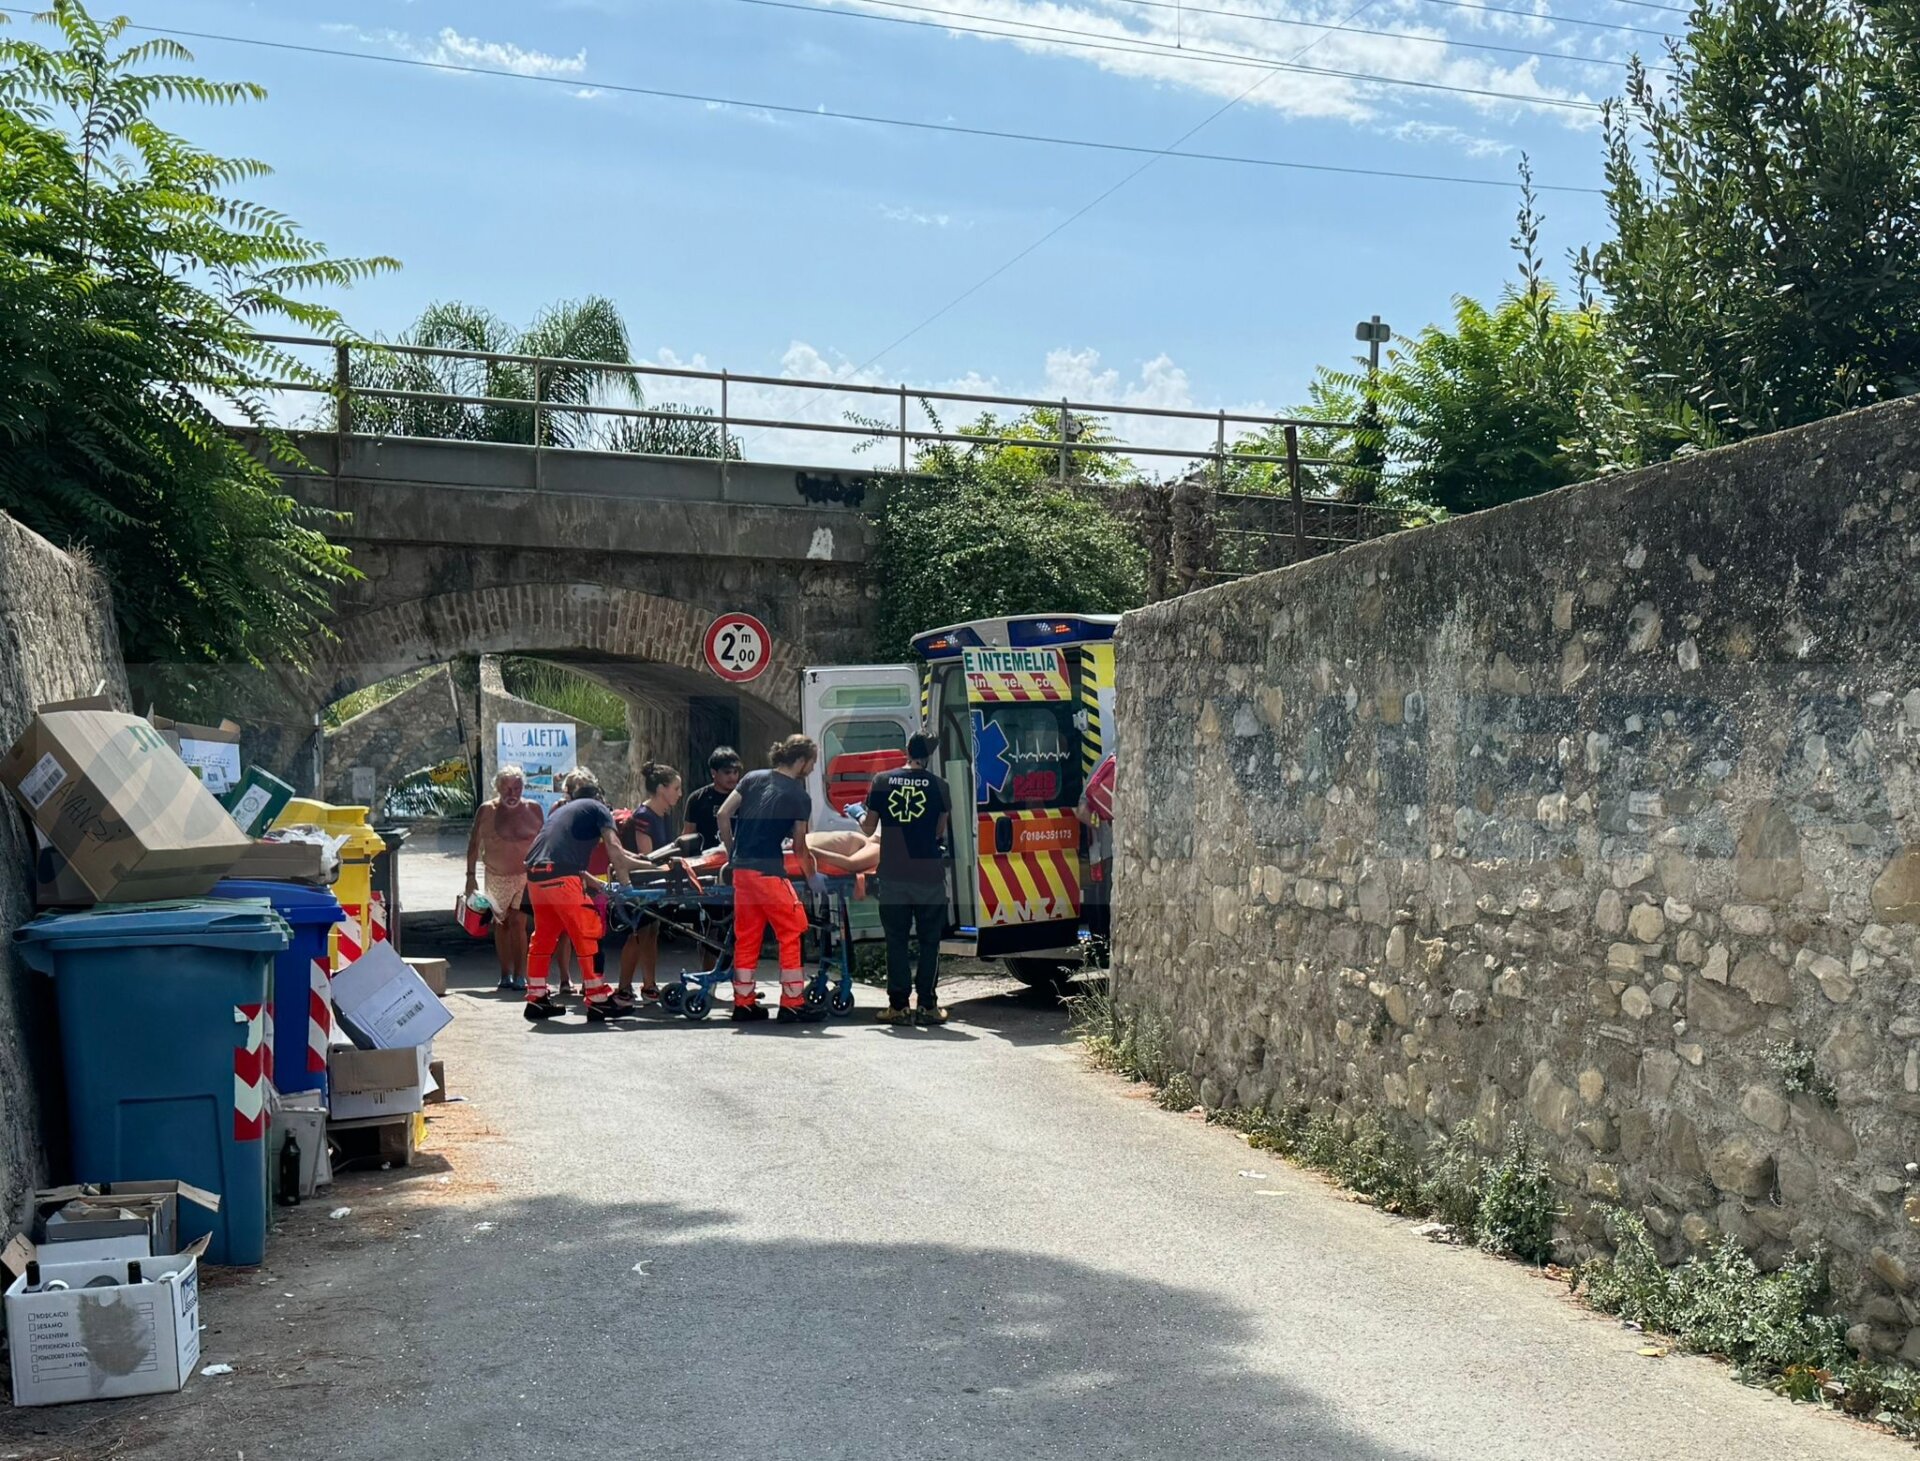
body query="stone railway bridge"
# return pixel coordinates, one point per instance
(611, 562)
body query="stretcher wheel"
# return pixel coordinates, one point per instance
(842, 1001)
(816, 995)
(672, 997)
(697, 1004)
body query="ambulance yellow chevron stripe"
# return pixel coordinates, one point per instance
(1096, 674)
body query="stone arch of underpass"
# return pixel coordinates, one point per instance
(584, 622)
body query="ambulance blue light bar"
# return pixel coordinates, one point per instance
(1025, 631)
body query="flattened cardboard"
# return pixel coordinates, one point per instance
(129, 817)
(284, 862)
(156, 1203)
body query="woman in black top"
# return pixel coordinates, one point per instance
(647, 832)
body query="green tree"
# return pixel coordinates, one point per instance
(131, 278)
(1765, 198)
(978, 531)
(579, 342)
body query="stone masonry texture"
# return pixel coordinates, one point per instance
(1598, 814)
(57, 642)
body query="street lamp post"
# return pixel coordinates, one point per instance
(1375, 334)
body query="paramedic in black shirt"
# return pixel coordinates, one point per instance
(724, 768)
(910, 807)
(557, 886)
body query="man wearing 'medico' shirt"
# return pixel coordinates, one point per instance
(910, 808)
(765, 810)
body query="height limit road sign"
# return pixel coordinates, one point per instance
(736, 647)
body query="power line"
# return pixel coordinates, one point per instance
(1179, 48)
(1557, 19)
(1092, 203)
(1181, 9)
(868, 118)
(1161, 51)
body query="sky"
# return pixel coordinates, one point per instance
(799, 244)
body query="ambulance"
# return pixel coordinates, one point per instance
(1023, 710)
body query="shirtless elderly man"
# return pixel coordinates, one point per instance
(503, 830)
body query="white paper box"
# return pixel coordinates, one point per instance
(384, 1005)
(100, 1344)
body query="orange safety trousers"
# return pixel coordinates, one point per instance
(761, 902)
(561, 905)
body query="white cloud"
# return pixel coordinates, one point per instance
(1076, 374)
(905, 213)
(1473, 144)
(450, 48)
(1424, 50)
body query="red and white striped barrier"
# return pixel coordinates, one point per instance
(377, 919)
(349, 942)
(250, 1066)
(319, 1017)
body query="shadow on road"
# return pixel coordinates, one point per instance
(564, 1328)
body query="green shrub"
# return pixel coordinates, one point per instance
(1721, 1303)
(1793, 1063)
(1455, 1176)
(1517, 1210)
(1178, 1094)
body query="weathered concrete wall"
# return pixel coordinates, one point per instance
(1592, 813)
(415, 728)
(57, 641)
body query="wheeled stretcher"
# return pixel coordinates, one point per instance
(693, 899)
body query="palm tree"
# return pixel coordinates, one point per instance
(576, 341)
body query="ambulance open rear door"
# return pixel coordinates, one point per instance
(1026, 743)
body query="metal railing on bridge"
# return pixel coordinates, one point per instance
(547, 403)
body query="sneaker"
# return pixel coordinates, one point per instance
(934, 1016)
(599, 1011)
(752, 1010)
(801, 1014)
(518, 982)
(542, 1009)
(895, 1015)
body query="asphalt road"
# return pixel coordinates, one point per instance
(697, 1241)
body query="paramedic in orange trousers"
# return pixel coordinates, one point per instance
(766, 809)
(557, 885)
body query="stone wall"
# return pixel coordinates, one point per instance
(380, 746)
(1599, 814)
(57, 642)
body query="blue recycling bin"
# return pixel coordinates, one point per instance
(302, 1022)
(163, 1030)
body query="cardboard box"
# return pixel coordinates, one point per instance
(302, 1115)
(55, 883)
(432, 972)
(129, 817)
(383, 1005)
(152, 1206)
(375, 1085)
(437, 1071)
(80, 1343)
(286, 862)
(256, 800)
(211, 752)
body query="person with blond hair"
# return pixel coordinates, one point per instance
(503, 831)
(764, 811)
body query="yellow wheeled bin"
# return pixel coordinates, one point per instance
(354, 886)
